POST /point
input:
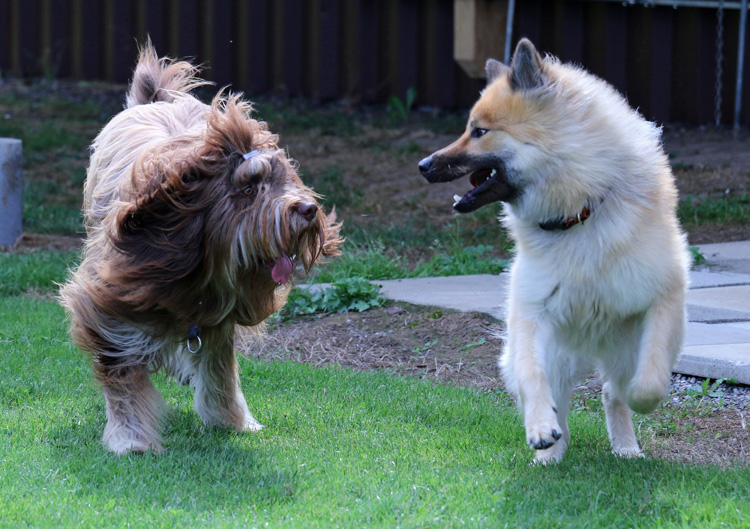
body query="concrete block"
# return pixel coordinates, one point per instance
(475, 293)
(11, 187)
(728, 256)
(716, 361)
(734, 298)
(707, 279)
(717, 333)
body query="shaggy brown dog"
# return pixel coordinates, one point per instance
(195, 221)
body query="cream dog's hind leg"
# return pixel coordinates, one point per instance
(619, 424)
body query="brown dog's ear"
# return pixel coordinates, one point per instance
(495, 69)
(160, 234)
(526, 68)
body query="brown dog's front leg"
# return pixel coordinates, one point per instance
(218, 397)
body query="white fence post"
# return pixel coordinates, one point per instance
(11, 185)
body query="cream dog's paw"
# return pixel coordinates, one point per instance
(543, 434)
(551, 455)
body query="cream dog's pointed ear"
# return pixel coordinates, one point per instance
(495, 69)
(526, 67)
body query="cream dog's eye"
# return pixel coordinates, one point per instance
(478, 133)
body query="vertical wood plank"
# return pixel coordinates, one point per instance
(119, 44)
(705, 41)
(292, 40)
(26, 53)
(369, 47)
(350, 86)
(276, 38)
(570, 31)
(409, 35)
(221, 50)
(183, 28)
(329, 50)
(55, 35)
(594, 58)
(311, 48)
(152, 23)
(639, 58)
(442, 78)
(684, 87)
(388, 50)
(615, 38)
(658, 98)
(6, 28)
(91, 39)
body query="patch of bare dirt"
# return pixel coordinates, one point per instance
(425, 342)
(462, 348)
(719, 437)
(48, 241)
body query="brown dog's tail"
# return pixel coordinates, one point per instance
(162, 79)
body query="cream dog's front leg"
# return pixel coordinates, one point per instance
(523, 370)
(663, 332)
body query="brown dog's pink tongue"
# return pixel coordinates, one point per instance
(282, 269)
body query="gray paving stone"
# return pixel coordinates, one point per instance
(716, 361)
(714, 315)
(717, 333)
(705, 278)
(475, 293)
(728, 256)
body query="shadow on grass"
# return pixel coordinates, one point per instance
(201, 469)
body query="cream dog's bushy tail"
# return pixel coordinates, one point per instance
(156, 79)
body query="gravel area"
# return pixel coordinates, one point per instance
(724, 395)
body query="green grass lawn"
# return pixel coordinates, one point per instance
(340, 449)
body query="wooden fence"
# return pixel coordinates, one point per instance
(663, 59)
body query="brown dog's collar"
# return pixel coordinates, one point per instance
(566, 224)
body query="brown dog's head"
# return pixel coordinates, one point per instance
(501, 122)
(218, 221)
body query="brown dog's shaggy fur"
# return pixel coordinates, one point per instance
(194, 218)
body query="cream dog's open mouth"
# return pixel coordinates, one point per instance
(489, 185)
(477, 179)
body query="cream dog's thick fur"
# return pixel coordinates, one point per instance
(600, 271)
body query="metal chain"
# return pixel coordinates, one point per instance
(719, 60)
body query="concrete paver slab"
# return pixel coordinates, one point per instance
(735, 298)
(717, 333)
(480, 293)
(728, 256)
(706, 278)
(714, 315)
(716, 361)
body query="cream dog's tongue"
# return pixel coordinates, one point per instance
(282, 269)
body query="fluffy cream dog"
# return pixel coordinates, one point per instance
(195, 221)
(600, 271)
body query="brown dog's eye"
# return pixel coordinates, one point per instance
(478, 133)
(249, 190)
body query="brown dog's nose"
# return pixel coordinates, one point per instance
(308, 210)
